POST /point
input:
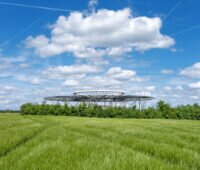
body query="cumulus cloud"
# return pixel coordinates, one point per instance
(100, 33)
(79, 71)
(114, 77)
(194, 97)
(6, 95)
(5, 101)
(34, 80)
(82, 75)
(178, 87)
(192, 71)
(10, 88)
(150, 88)
(101, 82)
(118, 51)
(71, 83)
(4, 90)
(119, 73)
(195, 85)
(167, 88)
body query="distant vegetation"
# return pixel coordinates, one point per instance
(161, 111)
(9, 111)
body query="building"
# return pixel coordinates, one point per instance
(104, 98)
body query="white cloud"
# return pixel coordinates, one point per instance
(90, 53)
(167, 88)
(5, 65)
(194, 97)
(4, 101)
(7, 90)
(114, 77)
(14, 59)
(150, 88)
(105, 32)
(165, 71)
(71, 83)
(195, 85)
(92, 4)
(118, 51)
(192, 71)
(101, 62)
(119, 73)
(35, 80)
(10, 88)
(61, 72)
(101, 82)
(178, 87)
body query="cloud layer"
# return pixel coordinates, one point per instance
(101, 33)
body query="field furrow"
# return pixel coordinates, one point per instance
(49, 142)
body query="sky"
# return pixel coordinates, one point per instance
(52, 48)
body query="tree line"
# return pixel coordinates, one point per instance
(9, 111)
(161, 111)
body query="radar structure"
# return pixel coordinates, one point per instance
(104, 98)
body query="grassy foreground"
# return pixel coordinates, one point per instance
(51, 143)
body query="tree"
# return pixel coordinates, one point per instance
(164, 109)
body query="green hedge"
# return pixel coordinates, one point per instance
(162, 111)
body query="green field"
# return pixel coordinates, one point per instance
(50, 142)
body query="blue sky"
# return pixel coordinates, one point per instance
(72, 45)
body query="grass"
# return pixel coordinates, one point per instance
(51, 143)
